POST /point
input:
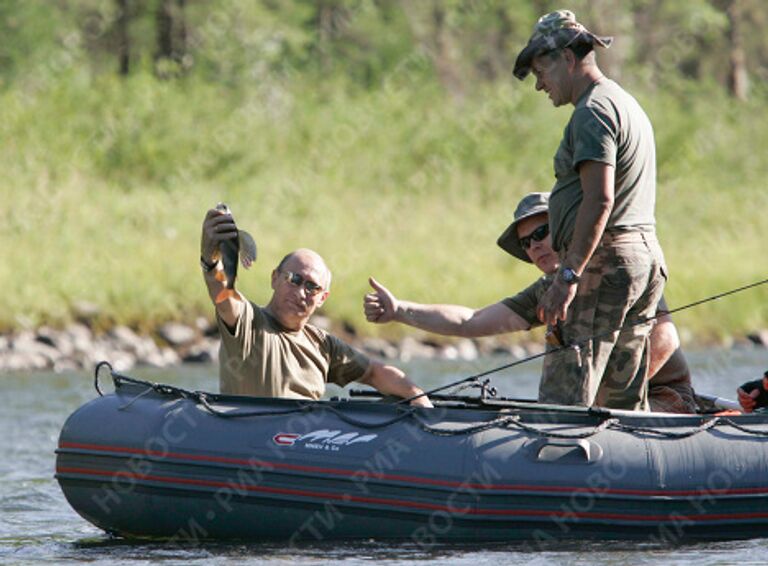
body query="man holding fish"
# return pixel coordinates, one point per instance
(273, 351)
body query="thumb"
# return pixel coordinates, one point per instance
(755, 393)
(376, 285)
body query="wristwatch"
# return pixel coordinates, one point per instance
(569, 276)
(208, 267)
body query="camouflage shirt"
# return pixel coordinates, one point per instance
(608, 126)
(525, 302)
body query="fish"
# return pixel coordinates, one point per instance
(242, 249)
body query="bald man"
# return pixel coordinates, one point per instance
(273, 351)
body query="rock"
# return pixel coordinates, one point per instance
(23, 361)
(104, 350)
(123, 338)
(760, 338)
(177, 334)
(58, 339)
(85, 312)
(47, 335)
(204, 352)
(80, 338)
(449, 352)
(520, 352)
(467, 350)
(206, 327)
(164, 357)
(145, 349)
(26, 344)
(411, 348)
(121, 361)
(379, 347)
(532, 349)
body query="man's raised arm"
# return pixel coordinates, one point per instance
(450, 320)
(217, 227)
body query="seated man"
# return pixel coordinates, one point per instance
(273, 351)
(527, 238)
(753, 395)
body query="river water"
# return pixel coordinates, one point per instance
(38, 526)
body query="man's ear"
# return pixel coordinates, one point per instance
(570, 59)
(323, 298)
(275, 275)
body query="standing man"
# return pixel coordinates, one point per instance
(273, 351)
(601, 218)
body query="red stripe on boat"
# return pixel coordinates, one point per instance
(264, 465)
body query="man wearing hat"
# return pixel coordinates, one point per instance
(601, 220)
(527, 238)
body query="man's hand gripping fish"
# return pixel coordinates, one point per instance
(242, 248)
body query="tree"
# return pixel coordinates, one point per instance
(738, 79)
(123, 38)
(171, 31)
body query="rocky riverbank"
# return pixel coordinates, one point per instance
(79, 346)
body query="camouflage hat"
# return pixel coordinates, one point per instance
(554, 31)
(531, 205)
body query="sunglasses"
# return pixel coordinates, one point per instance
(536, 236)
(310, 287)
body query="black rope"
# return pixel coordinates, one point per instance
(584, 341)
(96, 375)
(608, 422)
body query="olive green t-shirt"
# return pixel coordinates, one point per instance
(263, 359)
(525, 302)
(608, 126)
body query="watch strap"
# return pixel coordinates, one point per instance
(208, 266)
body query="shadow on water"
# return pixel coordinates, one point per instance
(402, 552)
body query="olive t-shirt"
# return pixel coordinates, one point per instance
(608, 126)
(263, 359)
(525, 302)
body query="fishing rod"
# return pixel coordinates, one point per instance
(579, 343)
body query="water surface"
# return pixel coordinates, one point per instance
(38, 526)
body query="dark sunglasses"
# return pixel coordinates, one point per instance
(310, 287)
(536, 236)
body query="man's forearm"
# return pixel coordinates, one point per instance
(228, 309)
(391, 381)
(449, 320)
(456, 320)
(597, 181)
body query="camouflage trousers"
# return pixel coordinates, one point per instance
(621, 284)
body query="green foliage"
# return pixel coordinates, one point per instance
(342, 138)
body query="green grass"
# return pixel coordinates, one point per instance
(106, 183)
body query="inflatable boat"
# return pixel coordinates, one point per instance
(152, 460)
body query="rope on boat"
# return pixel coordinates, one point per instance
(503, 422)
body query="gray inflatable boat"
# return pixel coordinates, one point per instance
(152, 460)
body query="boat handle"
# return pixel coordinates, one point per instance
(567, 451)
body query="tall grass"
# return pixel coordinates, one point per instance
(106, 182)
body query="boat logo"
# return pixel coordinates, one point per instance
(324, 439)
